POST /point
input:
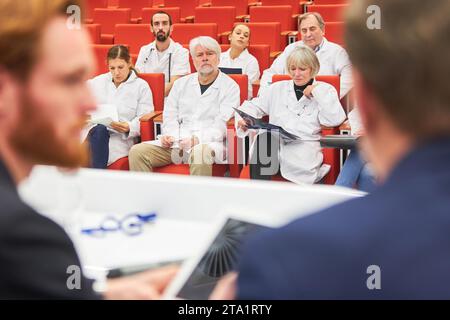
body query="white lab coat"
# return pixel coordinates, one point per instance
(133, 99)
(246, 62)
(333, 60)
(148, 61)
(300, 161)
(188, 112)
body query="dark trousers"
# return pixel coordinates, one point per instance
(99, 146)
(264, 161)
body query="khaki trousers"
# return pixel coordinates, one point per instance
(145, 157)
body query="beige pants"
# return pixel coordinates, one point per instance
(145, 157)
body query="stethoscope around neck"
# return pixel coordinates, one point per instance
(149, 55)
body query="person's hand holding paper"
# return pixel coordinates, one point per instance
(105, 114)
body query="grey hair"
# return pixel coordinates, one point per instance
(205, 42)
(303, 56)
(317, 15)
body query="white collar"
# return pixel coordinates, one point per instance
(244, 54)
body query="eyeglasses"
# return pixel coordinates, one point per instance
(132, 225)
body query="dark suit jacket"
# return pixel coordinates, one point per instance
(403, 228)
(34, 252)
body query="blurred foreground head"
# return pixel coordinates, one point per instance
(45, 61)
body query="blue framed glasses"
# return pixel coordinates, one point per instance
(132, 225)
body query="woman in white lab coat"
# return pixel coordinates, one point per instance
(131, 97)
(238, 57)
(300, 106)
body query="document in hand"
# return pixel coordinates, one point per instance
(104, 114)
(254, 123)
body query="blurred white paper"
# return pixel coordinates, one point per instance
(104, 114)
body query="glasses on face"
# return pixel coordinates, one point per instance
(132, 225)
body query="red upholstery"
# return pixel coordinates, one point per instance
(174, 13)
(187, 7)
(329, 12)
(135, 6)
(334, 32)
(330, 156)
(223, 16)
(134, 35)
(281, 14)
(240, 5)
(100, 52)
(295, 4)
(91, 5)
(331, 1)
(108, 18)
(94, 30)
(185, 32)
(156, 83)
(266, 33)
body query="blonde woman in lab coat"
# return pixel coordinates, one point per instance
(300, 106)
(131, 96)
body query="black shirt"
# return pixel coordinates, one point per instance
(204, 87)
(299, 89)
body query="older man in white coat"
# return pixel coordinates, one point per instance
(195, 116)
(333, 58)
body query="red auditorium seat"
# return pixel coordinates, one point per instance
(94, 30)
(295, 4)
(136, 8)
(90, 6)
(134, 35)
(184, 32)
(147, 14)
(100, 52)
(266, 33)
(240, 5)
(187, 7)
(329, 12)
(281, 14)
(223, 16)
(108, 18)
(334, 32)
(330, 156)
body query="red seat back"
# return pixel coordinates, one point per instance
(187, 7)
(108, 18)
(223, 16)
(240, 5)
(185, 32)
(157, 85)
(329, 12)
(147, 14)
(135, 6)
(266, 33)
(135, 35)
(295, 4)
(281, 14)
(94, 31)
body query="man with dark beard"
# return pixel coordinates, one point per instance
(163, 55)
(44, 99)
